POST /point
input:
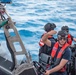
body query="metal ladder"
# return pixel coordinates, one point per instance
(7, 25)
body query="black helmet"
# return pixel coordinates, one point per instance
(62, 33)
(49, 26)
(66, 28)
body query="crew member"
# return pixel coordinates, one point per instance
(60, 54)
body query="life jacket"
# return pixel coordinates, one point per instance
(43, 47)
(41, 43)
(69, 39)
(59, 55)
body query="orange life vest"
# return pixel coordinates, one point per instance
(69, 39)
(59, 55)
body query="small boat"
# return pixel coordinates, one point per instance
(26, 66)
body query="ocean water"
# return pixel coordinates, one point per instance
(31, 16)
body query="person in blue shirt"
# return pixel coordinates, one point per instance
(60, 55)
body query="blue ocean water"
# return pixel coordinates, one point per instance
(31, 16)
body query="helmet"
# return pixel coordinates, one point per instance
(49, 26)
(66, 28)
(62, 33)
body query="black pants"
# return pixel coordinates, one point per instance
(59, 73)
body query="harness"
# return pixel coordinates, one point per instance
(59, 55)
(69, 39)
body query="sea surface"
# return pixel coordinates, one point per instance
(31, 16)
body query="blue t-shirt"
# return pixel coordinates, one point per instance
(66, 56)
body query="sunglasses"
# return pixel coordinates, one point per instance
(64, 38)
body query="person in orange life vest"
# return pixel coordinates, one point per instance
(43, 47)
(70, 37)
(61, 53)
